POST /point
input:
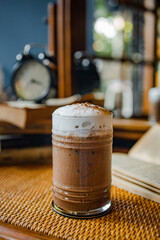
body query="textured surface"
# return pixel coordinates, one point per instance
(26, 194)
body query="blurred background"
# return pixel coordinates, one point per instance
(21, 22)
(125, 34)
(103, 51)
(118, 38)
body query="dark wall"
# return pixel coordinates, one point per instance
(20, 23)
(89, 24)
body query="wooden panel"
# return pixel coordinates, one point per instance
(131, 124)
(131, 129)
(60, 48)
(78, 32)
(68, 49)
(148, 81)
(70, 38)
(128, 135)
(52, 29)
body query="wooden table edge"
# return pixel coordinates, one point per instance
(12, 232)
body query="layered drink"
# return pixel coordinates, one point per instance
(82, 147)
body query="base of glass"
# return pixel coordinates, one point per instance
(83, 214)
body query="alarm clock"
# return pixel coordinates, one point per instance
(32, 77)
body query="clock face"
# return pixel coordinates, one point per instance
(32, 80)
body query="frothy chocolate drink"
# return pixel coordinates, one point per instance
(82, 146)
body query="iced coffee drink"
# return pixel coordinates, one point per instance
(82, 146)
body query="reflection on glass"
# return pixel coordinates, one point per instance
(124, 37)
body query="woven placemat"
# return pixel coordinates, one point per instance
(26, 195)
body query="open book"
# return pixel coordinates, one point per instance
(139, 170)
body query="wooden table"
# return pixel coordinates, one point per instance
(26, 212)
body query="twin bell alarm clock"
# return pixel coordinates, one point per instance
(33, 77)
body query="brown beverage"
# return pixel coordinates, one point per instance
(82, 146)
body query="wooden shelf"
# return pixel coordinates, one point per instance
(123, 128)
(126, 132)
(115, 59)
(130, 128)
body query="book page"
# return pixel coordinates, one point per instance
(62, 101)
(148, 147)
(24, 104)
(133, 188)
(135, 181)
(146, 172)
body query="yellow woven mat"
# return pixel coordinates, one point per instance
(26, 194)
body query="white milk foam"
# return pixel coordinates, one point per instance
(81, 119)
